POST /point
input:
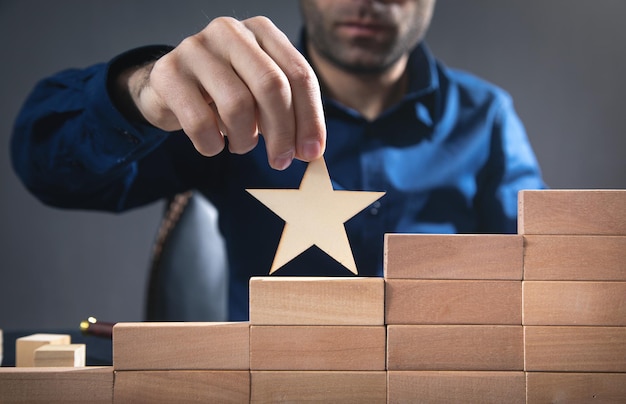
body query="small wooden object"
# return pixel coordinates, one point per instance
(575, 258)
(576, 388)
(318, 386)
(455, 347)
(584, 212)
(456, 387)
(317, 347)
(181, 346)
(25, 346)
(574, 303)
(575, 349)
(56, 385)
(453, 256)
(317, 301)
(53, 355)
(453, 302)
(182, 386)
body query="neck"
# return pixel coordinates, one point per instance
(370, 94)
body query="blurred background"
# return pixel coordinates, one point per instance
(564, 62)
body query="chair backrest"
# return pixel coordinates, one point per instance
(188, 278)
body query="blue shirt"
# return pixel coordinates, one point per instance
(451, 157)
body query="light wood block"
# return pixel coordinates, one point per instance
(25, 346)
(585, 212)
(182, 386)
(453, 256)
(56, 385)
(317, 301)
(70, 355)
(575, 349)
(455, 347)
(318, 386)
(456, 387)
(181, 346)
(411, 301)
(317, 347)
(576, 258)
(574, 303)
(576, 388)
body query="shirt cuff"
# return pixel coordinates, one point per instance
(132, 139)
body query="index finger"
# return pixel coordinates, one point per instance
(305, 88)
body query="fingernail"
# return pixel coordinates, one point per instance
(311, 150)
(284, 160)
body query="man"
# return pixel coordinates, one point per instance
(447, 148)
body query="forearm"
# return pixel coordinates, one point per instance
(73, 147)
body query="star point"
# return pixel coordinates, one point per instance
(315, 214)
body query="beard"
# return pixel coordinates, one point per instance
(373, 52)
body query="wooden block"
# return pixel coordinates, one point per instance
(25, 346)
(453, 256)
(574, 303)
(455, 347)
(588, 212)
(67, 355)
(575, 349)
(456, 387)
(56, 385)
(317, 301)
(317, 347)
(411, 301)
(181, 346)
(318, 386)
(182, 386)
(576, 258)
(576, 388)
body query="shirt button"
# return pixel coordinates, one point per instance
(374, 209)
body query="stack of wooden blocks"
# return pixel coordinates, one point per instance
(535, 317)
(574, 295)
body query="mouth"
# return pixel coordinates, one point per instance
(362, 29)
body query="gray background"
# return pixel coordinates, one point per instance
(562, 60)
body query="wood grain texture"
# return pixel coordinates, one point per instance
(439, 387)
(411, 301)
(318, 387)
(317, 347)
(576, 388)
(317, 301)
(56, 385)
(25, 346)
(174, 345)
(54, 355)
(584, 212)
(454, 347)
(577, 258)
(575, 349)
(453, 256)
(182, 386)
(574, 303)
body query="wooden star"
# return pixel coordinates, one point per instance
(315, 214)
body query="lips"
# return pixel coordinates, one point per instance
(362, 28)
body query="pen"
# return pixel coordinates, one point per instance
(92, 326)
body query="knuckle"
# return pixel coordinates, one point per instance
(302, 75)
(273, 81)
(236, 102)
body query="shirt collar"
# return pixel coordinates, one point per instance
(422, 87)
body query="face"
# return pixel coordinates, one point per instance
(365, 36)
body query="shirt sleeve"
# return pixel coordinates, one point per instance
(512, 167)
(72, 148)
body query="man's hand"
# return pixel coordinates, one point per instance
(235, 78)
